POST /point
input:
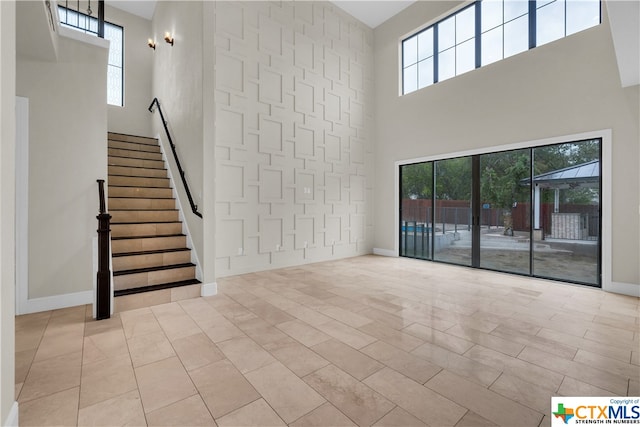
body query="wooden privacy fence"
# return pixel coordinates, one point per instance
(459, 212)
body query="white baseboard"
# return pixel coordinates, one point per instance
(12, 418)
(55, 302)
(622, 288)
(384, 252)
(209, 289)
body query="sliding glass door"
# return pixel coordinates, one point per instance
(566, 187)
(452, 232)
(532, 211)
(416, 213)
(505, 227)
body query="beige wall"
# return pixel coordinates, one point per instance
(294, 150)
(67, 153)
(134, 117)
(177, 83)
(208, 255)
(566, 87)
(291, 101)
(7, 206)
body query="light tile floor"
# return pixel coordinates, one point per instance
(365, 341)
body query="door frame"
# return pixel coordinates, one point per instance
(605, 135)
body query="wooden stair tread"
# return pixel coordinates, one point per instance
(135, 186)
(137, 157)
(137, 176)
(149, 269)
(142, 289)
(131, 149)
(137, 167)
(141, 197)
(133, 142)
(147, 237)
(118, 134)
(150, 252)
(143, 210)
(144, 222)
(126, 157)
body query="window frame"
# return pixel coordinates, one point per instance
(532, 21)
(87, 30)
(603, 245)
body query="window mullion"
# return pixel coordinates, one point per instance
(461, 57)
(478, 33)
(532, 24)
(436, 54)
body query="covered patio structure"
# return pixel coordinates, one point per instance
(567, 225)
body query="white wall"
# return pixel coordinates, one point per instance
(7, 210)
(293, 134)
(134, 117)
(67, 153)
(177, 83)
(566, 87)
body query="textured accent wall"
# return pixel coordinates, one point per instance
(294, 144)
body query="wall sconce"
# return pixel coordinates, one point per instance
(151, 44)
(168, 38)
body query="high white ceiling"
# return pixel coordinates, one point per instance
(142, 8)
(372, 13)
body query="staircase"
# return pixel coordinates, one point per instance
(149, 250)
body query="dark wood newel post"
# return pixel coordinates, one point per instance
(103, 293)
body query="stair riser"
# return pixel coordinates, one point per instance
(134, 154)
(137, 280)
(143, 216)
(152, 260)
(148, 244)
(133, 230)
(138, 163)
(141, 204)
(124, 170)
(132, 138)
(141, 192)
(132, 181)
(134, 146)
(158, 204)
(148, 299)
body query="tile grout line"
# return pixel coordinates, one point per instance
(34, 356)
(273, 285)
(135, 375)
(84, 327)
(177, 355)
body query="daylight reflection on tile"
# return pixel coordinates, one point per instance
(360, 341)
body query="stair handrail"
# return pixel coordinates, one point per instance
(194, 207)
(103, 288)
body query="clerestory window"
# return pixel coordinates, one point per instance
(112, 32)
(487, 31)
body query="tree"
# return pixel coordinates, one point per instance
(417, 181)
(500, 177)
(453, 179)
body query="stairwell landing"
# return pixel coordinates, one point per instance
(149, 249)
